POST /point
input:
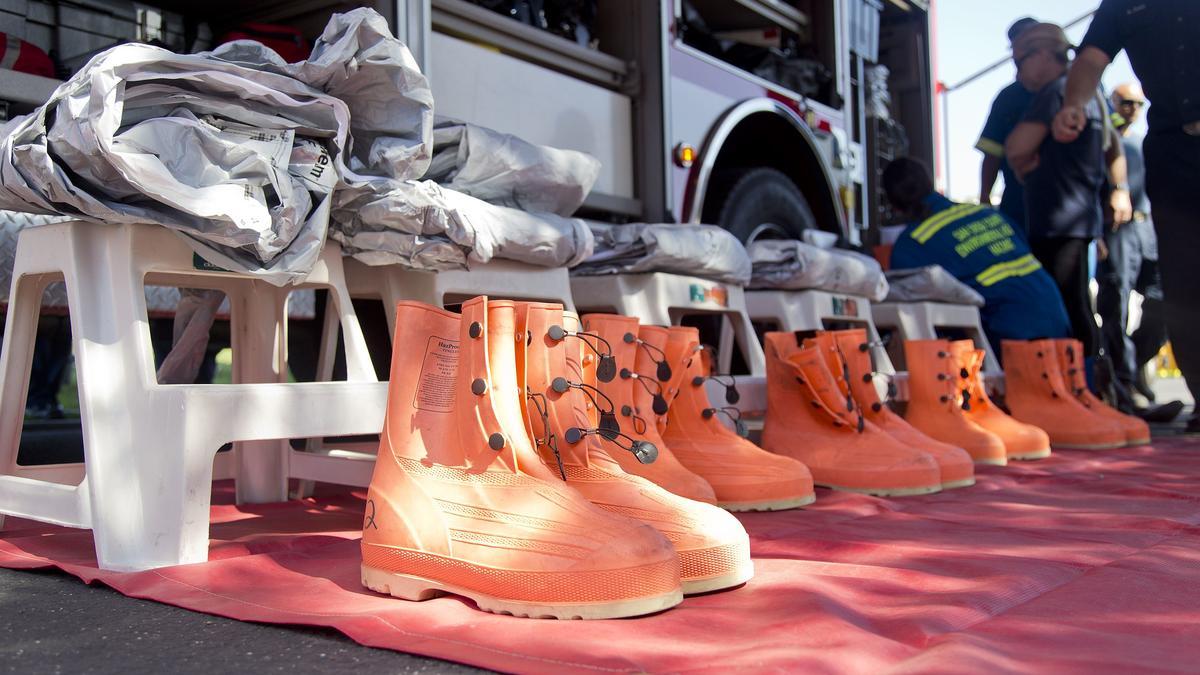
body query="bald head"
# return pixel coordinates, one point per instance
(1128, 100)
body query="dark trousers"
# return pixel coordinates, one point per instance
(1173, 185)
(1131, 265)
(1151, 333)
(1066, 259)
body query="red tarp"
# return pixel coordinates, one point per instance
(1085, 562)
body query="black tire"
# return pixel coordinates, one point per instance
(766, 204)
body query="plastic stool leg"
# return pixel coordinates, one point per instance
(148, 498)
(259, 355)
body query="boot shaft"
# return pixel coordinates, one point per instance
(691, 413)
(800, 387)
(856, 351)
(1069, 353)
(613, 328)
(636, 417)
(969, 362)
(443, 385)
(784, 392)
(505, 392)
(933, 375)
(683, 347)
(1031, 370)
(827, 346)
(651, 373)
(550, 367)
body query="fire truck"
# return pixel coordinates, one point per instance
(767, 117)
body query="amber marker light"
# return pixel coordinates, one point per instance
(685, 154)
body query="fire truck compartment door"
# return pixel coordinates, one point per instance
(480, 85)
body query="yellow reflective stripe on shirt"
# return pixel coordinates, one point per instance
(1023, 266)
(936, 222)
(989, 147)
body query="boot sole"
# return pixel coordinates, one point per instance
(887, 492)
(1036, 454)
(718, 583)
(955, 484)
(993, 462)
(409, 587)
(1101, 446)
(777, 505)
(1137, 441)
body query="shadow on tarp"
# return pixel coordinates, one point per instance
(1084, 561)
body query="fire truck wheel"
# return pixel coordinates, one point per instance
(764, 203)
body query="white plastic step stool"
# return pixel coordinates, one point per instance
(817, 310)
(813, 309)
(921, 321)
(145, 485)
(499, 279)
(664, 299)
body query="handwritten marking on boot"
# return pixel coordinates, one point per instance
(370, 515)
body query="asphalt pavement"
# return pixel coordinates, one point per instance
(53, 623)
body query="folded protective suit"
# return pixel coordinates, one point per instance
(795, 265)
(254, 161)
(931, 283)
(697, 250)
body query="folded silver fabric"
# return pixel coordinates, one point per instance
(231, 157)
(418, 224)
(930, 284)
(696, 250)
(502, 169)
(795, 265)
(247, 157)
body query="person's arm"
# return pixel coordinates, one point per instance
(1099, 46)
(988, 171)
(1022, 145)
(1082, 81)
(1122, 206)
(991, 144)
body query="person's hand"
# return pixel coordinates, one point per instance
(1101, 249)
(1122, 207)
(1068, 123)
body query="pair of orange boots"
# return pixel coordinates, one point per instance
(947, 401)
(824, 410)
(660, 397)
(494, 479)
(1045, 384)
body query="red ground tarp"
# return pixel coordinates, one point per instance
(1086, 562)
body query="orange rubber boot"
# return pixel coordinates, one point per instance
(713, 547)
(935, 403)
(1070, 360)
(620, 334)
(1021, 441)
(808, 420)
(744, 476)
(957, 467)
(461, 503)
(1036, 394)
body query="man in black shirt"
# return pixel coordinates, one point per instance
(1062, 180)
(1160, 37)
(1132, 263)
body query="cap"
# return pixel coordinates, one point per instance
(1040, 36)
(1019, 27)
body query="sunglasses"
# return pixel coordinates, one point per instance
(1130, 102)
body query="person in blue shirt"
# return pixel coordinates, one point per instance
(1007, 110)
(980, 247)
